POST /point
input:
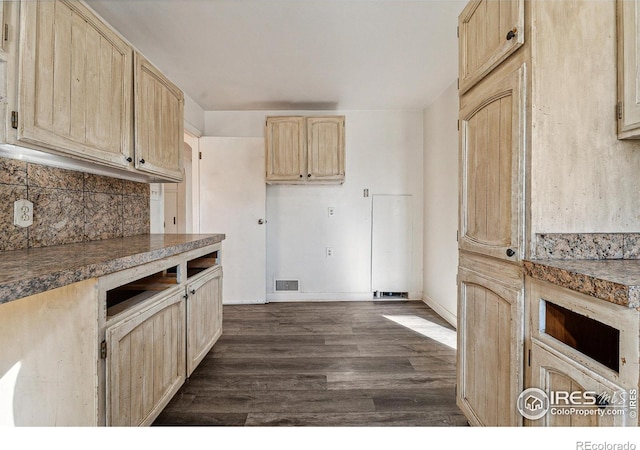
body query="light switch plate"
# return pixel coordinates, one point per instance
(22, 213)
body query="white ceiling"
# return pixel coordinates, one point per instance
(296, 54)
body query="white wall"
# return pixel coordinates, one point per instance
(193, 117)
(441, 204)
(583, 178)
(384, 154)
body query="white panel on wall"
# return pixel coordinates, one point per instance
(391, 243)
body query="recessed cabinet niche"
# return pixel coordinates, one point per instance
(77, 89)
(302, 150)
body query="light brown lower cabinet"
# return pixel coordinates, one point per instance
(591, 399)
(490, 340)
(161, 319)
(145, 365)
(204, 316)
(584, 353)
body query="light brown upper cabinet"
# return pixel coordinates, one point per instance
(285, 149)
(305, 149)
(77, 89)
(159, 126)
(76, 83)
(628, 69)
(492, 163)
(489, 31)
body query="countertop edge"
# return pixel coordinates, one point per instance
(17, 289)
(598, 287)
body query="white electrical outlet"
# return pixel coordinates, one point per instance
(329, 252)
(22, 213)
(331, 211)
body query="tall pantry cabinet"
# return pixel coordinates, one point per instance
(537, 93)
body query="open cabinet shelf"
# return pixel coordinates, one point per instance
(131, 294)
(197, 265)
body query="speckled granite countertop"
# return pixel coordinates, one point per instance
(613, 280)
(28, 272)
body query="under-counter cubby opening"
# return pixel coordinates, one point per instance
(590, 337)
(197, 265)
(131, 294)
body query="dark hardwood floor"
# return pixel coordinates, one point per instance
(322, 364)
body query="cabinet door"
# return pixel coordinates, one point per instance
(490, 346)
(204, 316)
(159, 122)
(489, 31)
(628, 69)
(145, 361)
(325, 148)
(492, 145)
(553, 372)
(75, 83)
(286, 152)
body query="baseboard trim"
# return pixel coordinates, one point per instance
(329, 297)
(441, 311)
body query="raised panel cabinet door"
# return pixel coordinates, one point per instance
(204, 316)
(145, 361)
(159, 122)
(286, 152)
(553, 372)
(488, 32)
(490, 346)
(492, 121)
(628, 32)
(75, 85)
(325, 148)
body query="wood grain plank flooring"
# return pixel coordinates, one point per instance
(334, 364)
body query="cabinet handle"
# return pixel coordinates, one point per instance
(300, 175)
(142, 161)
(129, 159)
(510, 252)
(193, 291)
(511, 34)
(185, 296)
(308, 175)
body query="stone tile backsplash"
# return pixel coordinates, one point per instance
(587, 246)
(69, 206)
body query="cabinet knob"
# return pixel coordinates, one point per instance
(510, 252)
(300, 175)
(309, 175)
(193, 291)
(129, 159)
(511, 34)
(142, 161)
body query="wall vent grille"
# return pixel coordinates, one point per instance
(287, 286)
